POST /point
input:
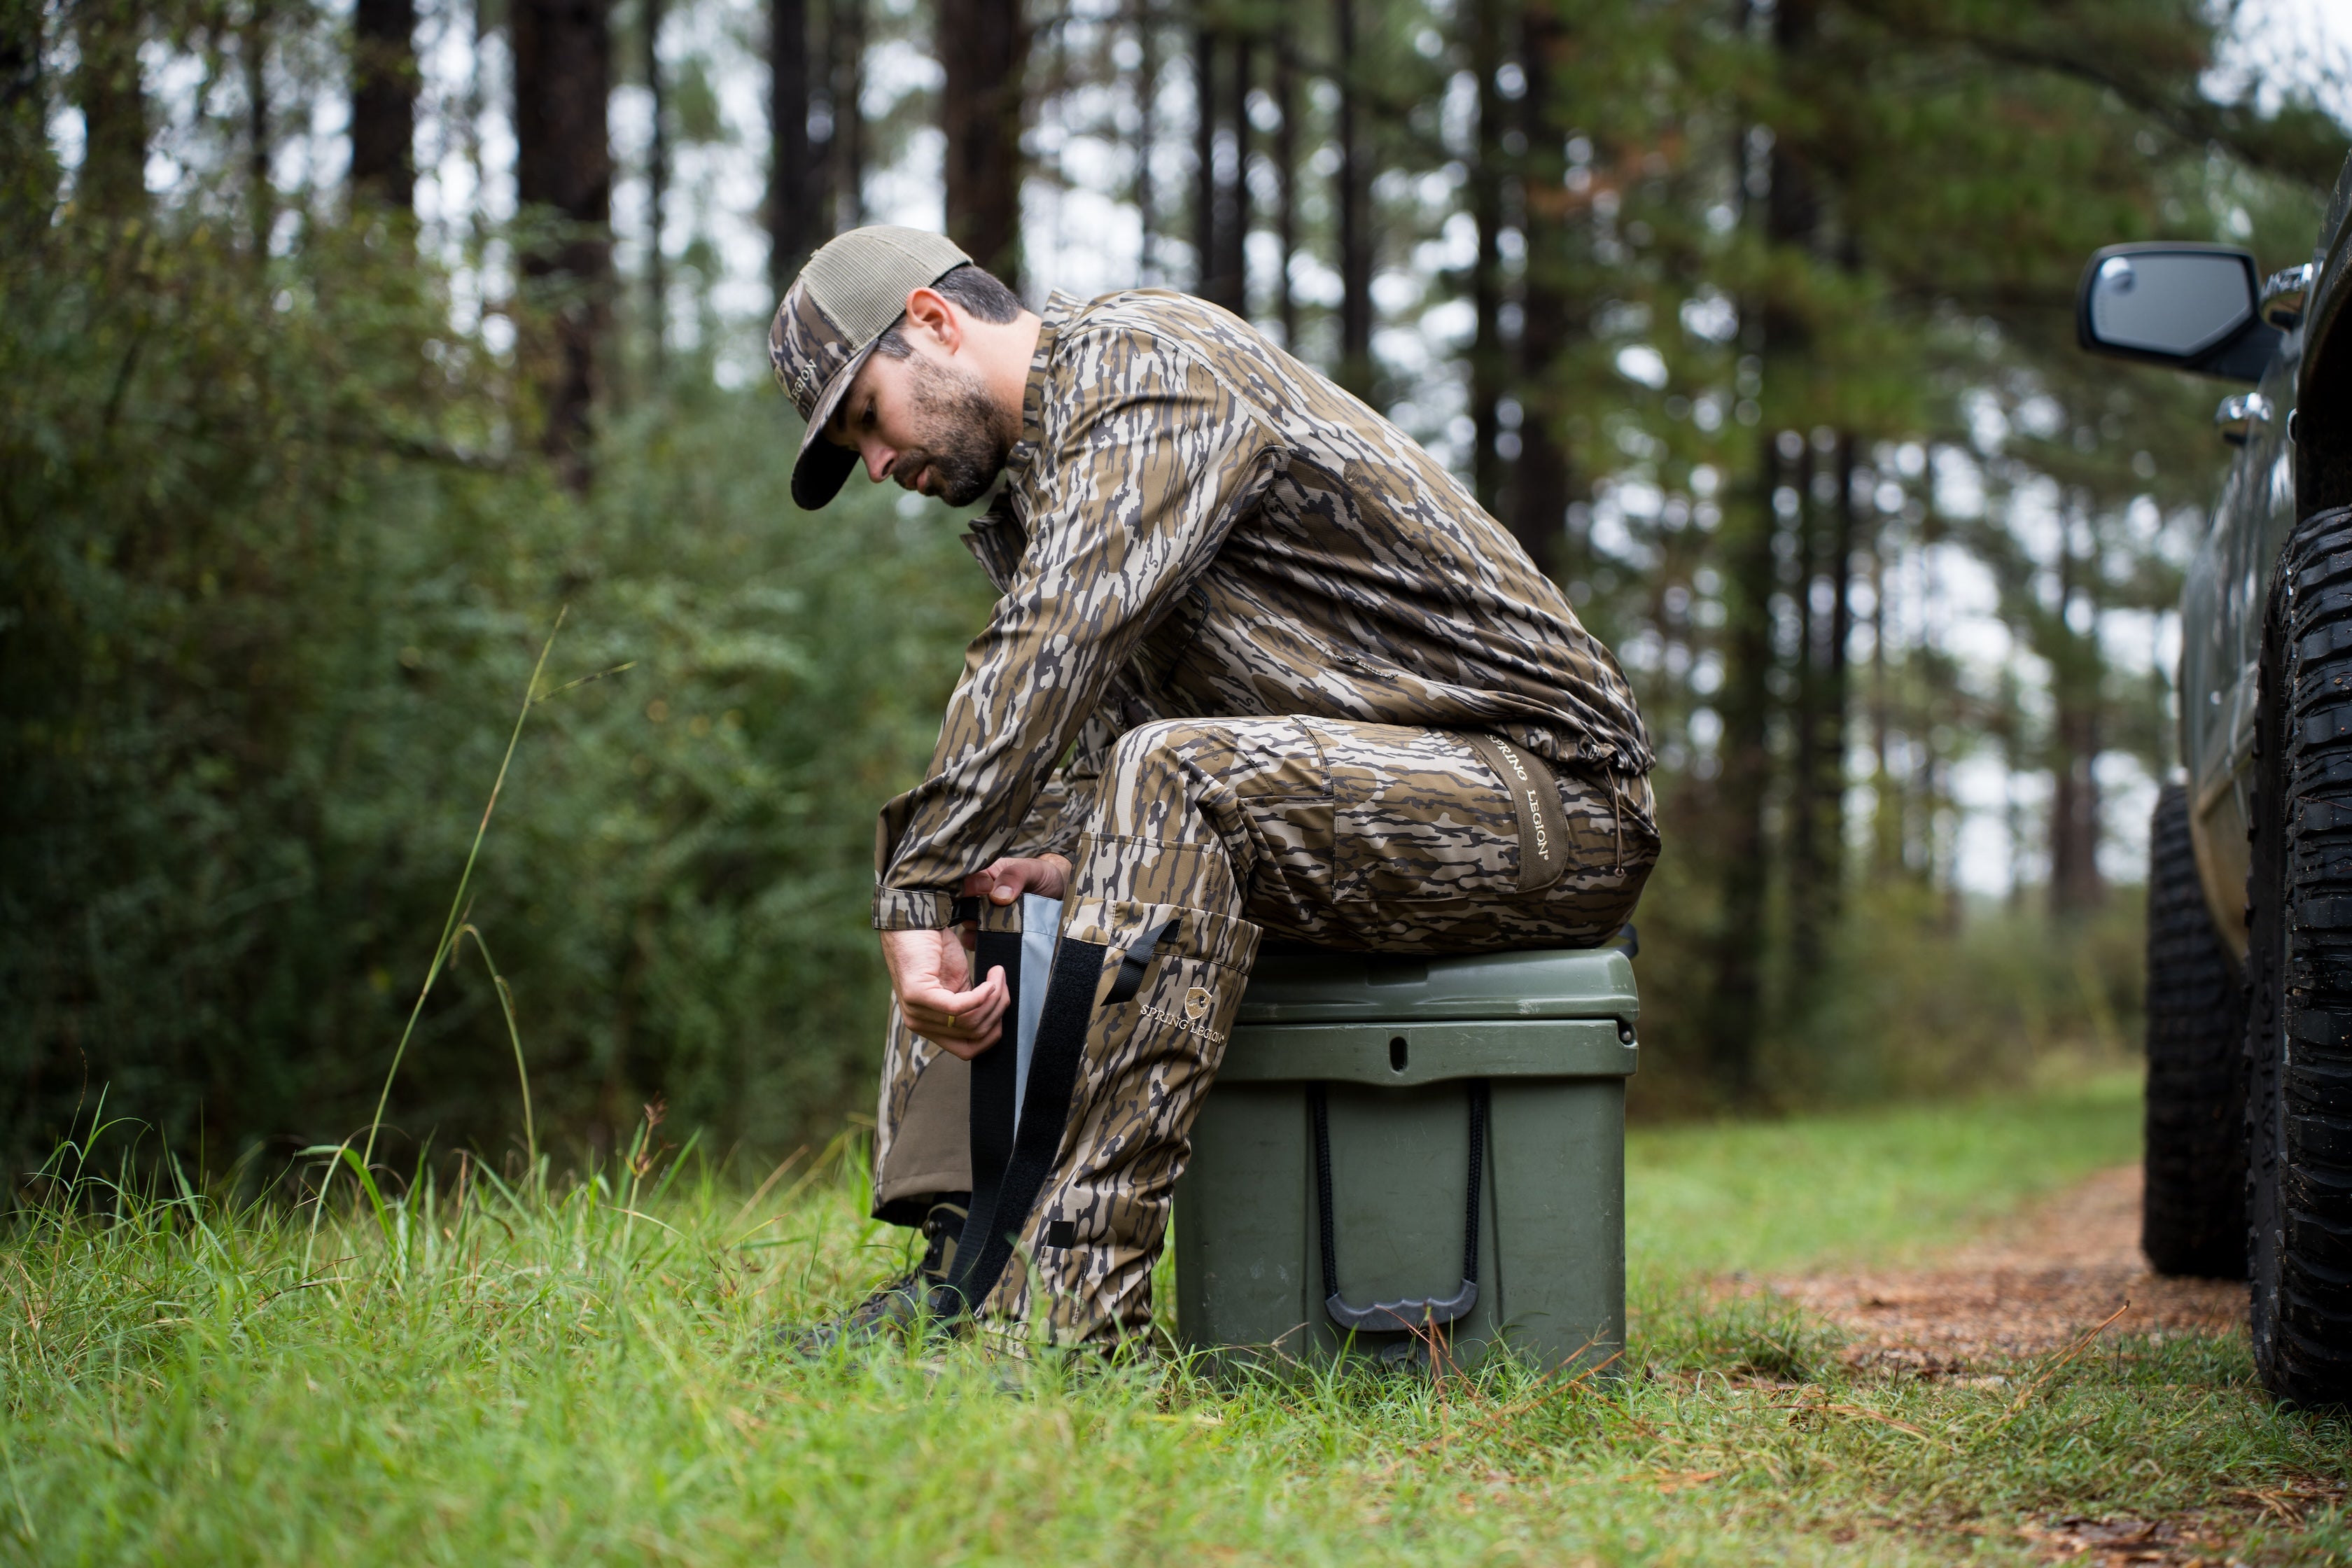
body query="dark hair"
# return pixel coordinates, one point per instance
(969, 285)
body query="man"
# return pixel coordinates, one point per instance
(1260, 665)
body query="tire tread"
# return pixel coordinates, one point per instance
(2299, 1038)
(2193, 1200)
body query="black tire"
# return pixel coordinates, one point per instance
(2299, 1030)
(2193, 1205)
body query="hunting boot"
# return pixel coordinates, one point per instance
(917, 1299)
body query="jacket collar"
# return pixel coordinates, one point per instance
(1054, 316)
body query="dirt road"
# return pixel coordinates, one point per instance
(2030, 1285)
(2037, 1284)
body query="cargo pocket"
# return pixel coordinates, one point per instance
(1417, 817)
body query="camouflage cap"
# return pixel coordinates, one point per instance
(850, 292)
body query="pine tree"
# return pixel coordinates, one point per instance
(384, 86)
(984, 48)
(564, 174)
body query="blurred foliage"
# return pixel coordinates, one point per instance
(1937, 1002)
(274, 584)
(1929, 995)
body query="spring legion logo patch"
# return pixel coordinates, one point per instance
(1196, 1002)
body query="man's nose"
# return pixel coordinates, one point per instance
(878, 461)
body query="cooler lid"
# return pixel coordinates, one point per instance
(1330, 988)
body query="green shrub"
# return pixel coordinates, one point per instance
(1927, 997)
(1921, 993)
(274, 580)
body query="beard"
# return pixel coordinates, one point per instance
(962, 443)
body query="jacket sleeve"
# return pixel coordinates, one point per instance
(1136, 487)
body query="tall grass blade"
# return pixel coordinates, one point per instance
(514, 1037)
(441, 950)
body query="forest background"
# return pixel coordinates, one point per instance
(342, 349)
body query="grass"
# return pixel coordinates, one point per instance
(1885, 1184)
(580, 1374)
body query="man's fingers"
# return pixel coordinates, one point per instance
(936, 1007)
(1005, 880)
(995, 997)
(962, 1032)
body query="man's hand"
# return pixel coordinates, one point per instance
(1008, 879)
(930, 970)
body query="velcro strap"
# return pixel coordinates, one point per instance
(995, 1081)
(997, 1218)
(1535, 797)
(1135, 960)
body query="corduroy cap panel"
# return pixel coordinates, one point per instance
(847, 295)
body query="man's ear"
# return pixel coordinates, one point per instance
(928, 312)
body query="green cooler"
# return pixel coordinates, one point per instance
(1400, 1150)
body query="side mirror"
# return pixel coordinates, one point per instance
(2192, 307)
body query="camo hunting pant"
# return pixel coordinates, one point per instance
(1363, 836)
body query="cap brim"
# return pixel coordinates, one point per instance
(822, 467)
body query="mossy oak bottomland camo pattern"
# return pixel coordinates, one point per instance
(1305, 687)
(1195, 524)
(1368, 837)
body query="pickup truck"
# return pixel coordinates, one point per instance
(2249, 1110)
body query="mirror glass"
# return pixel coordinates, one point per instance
(2169, 301)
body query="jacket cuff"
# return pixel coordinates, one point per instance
(917, 909)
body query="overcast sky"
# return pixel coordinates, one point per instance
(2297, 40)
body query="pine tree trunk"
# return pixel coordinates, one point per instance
(1147, 121)
(1487, 173)
(2077, 673)
(1886, 790)
(1356, 371)
(845, 161)
(1733, 1012)
(1221, 140)
(261, 206)
(1817, 844)
(27, 168)
(985, 48)
(825, 132)
(1735, 1008)
(656, 194)
(384, 103)
(1837, 686)
(792, 224)
(1286, 161)
(564, 168)
(1805, 763)
(112, 183)
(1232, 183)
(1541, 486)
(1204, 162)
(2074, 882)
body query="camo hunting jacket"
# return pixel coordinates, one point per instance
(1194, 524)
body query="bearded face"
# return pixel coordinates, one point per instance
(955, 433)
